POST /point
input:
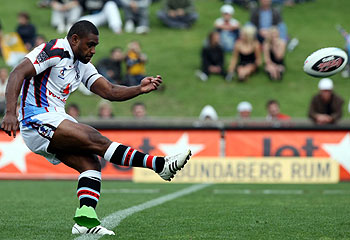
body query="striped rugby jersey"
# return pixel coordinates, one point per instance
(57, 76)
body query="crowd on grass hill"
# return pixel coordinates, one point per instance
(259, 44)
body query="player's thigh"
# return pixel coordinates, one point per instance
(71, 137)
(80, 162)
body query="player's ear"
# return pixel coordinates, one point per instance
(75, 39)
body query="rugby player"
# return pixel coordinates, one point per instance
(47, 76)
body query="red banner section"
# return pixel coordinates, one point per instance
(18, 162)
(279, 143)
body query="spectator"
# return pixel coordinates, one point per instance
(208, 113)
(228, 28)
(265, 17)
(64, 14)
(3, 82)
(246, 57)
(26, 30)
(139, 110)
(73, 110)
(111, 67)
(102, 12)
(274, 51)
(244, 110)
(136, 13)
(105, 110)
(0, 39)
(326, 106)
(212, 58)
(273, 111)
(178, 14)
(135, 64)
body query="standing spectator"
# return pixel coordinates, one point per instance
(105, 110)
(274, 113)
(26, 30)
(228, 28)
(102, 12)
(326, 106)
(139, 110)
(64, 14)
(135, 64)
(246, 57)
(136, 13)
(244, 110)
(73, 110)
(178, 14)
(111, 67)
(3, 82)
(274, 51)
(212, 58)
(265, 17)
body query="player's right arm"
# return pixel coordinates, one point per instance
(24, 70)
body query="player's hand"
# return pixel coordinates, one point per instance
(149, 84)
(10, 124)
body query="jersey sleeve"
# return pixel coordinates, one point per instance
(90, 75)
(46, 55)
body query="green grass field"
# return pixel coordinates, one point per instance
(44, 210)
(175, 55)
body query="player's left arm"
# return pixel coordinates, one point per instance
(114, 92)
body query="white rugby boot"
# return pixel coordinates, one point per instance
(98, 230)
(173, 164)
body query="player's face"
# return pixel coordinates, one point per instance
(87, 48)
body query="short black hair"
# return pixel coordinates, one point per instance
(82, 29)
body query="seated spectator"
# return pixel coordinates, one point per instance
(26, 30)
(326, 106)
(102, 12)
(64, 14)
(244, 110)
(73, 110)
(208, 113)
(136, 14)
(274, 113)
(265, 17)
(135, 64)
(246, 57)
(178, 14)
(139, 110)
(274, 51)
(111, 67)
(3, 82)
(212, 58)
(105, 110)
(40, 39)
(228, 28)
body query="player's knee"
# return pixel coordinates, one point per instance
(92, 164)
(98, 143)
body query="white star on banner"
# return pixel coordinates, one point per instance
(181, 145)
(14, 152)
(340, 151)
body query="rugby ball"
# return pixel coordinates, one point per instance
(325, 62)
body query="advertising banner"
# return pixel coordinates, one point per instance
(18, 162)
(284, 143)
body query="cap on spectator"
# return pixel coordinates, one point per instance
(227, 9)
(208, 112)
(325, 84)
(244, 107)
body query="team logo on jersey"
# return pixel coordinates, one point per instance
(62, 73)
(66, 90)
(45, 130)
(42, 57)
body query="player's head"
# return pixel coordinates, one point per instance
(83, 38)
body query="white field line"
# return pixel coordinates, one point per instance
(113, 220)
(130, 190)
(276, 192)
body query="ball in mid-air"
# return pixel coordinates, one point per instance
(325, 62)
